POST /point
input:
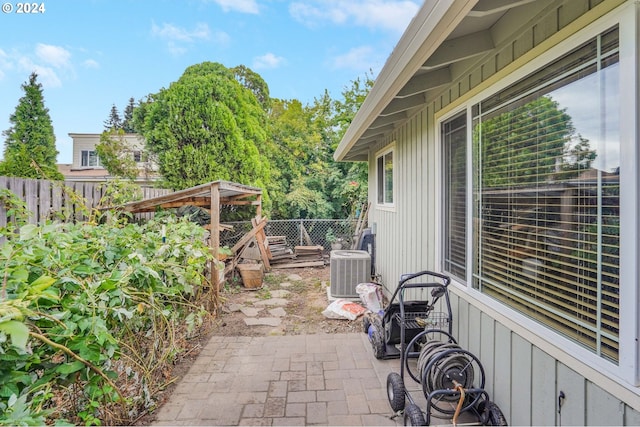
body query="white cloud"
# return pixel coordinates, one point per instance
(55, 56)
(384, 14)
(173, 33)
(91, 63)
(51, 63)
(177, 37)
(268, 60)
(358, 58)
(5, 63)
(243, 6)
(46, 75)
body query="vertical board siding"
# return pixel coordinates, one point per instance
(631, 416)
(573, 385)
(463, 324)
(521, 381)
(543, 388)
(488, 350)
(502, 375)
(47, 200)
(474, 337)
(596, 400)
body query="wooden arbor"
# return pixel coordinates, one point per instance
(211, 196)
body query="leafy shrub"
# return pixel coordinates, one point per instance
(91, 316)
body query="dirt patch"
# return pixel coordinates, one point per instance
(306, 296)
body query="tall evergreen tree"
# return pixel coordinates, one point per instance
(114, 122)
(30, 144)
(127, 122)
(206, 126)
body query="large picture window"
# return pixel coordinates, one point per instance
(384, 174)
(546, 186)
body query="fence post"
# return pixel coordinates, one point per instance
(300, 228)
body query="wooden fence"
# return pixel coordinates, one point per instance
(60, 199)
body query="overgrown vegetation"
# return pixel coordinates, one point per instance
(93, 316)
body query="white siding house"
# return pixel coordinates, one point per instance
(502, 143)
(86, 164)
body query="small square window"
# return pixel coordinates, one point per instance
(89, 158)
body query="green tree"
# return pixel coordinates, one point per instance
(308, 182)
(255, 83)
(127, 122)
(291, 133)
(114, 122)
(116, 156)
(30, 144)
(205, 127)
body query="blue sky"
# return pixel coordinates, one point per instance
(92, 54)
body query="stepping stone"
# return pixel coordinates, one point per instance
(262, 321)
(294, 277)
(272, 301)
(281, 293)
(234, 307)
(251, 311)
(286, 284)
(277, 312)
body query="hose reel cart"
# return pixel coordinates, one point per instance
(451, 379)
(401, 320)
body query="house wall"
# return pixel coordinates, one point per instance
(524, 373)
(88, 141)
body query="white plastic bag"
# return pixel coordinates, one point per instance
(370, 295)
(343, 309)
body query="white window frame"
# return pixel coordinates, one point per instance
(627, 371)
(391, 148)
(98, 163)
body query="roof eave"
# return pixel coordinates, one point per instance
(427, 31)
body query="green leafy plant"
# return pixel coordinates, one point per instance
(91, 315)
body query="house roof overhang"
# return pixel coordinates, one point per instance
(429, 56)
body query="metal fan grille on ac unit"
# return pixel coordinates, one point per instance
(347, 269)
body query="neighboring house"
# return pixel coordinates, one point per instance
(502, 143)
(86, 165)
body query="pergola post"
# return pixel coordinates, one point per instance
(214, 238)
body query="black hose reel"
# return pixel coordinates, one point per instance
(443, 368)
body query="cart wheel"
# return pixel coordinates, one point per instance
(376, 336)
(413, 416)
(490, 414)
(366, 323)
(395, 391)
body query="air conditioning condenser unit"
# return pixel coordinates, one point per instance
(347, 269)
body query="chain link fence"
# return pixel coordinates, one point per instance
(298, 232)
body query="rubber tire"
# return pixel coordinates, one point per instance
(396, 391)
(377, 338)
(490, 414)
(413, 416)
(366, 322)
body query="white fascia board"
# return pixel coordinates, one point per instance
(430, 27)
